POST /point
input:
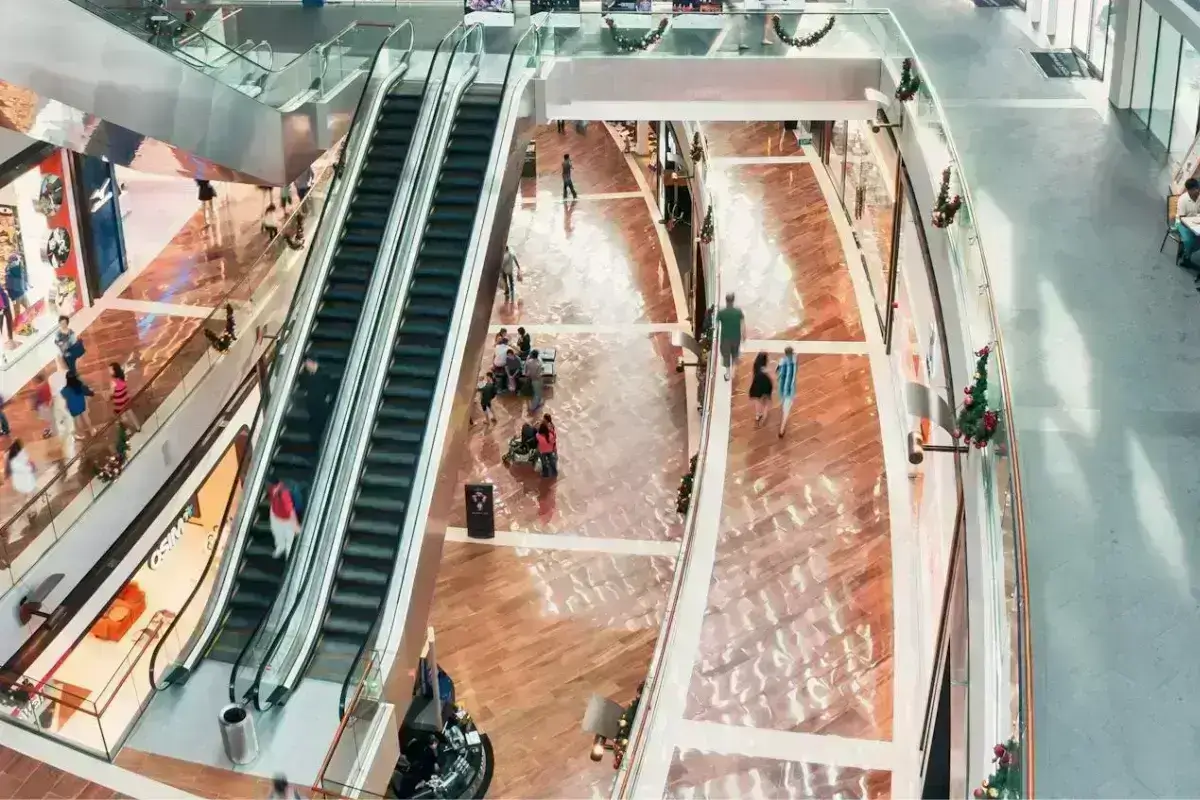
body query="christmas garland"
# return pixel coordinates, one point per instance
(804, 41)
(945, 207)
(114, 465)
(624, 726)
(218, 341)
(697, 152)
(977, 424)
(910, 81)
(708, 229)
(1005, 780)
(683, 498)
(627, 45)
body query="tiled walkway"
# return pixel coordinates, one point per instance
(576, 609)
(21, 776)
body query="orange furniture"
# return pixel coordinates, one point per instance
(118, 618)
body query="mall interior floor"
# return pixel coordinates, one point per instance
(145, 325)
(22, 776)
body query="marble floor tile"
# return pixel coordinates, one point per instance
(696, 775)
(593, 262)
(547, 629)
(621, 417)
(749, 140)
(798, 634)
(781, 254)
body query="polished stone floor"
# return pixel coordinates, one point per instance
(696, 775)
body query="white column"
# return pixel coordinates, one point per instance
(642, 145)
(1124, 19)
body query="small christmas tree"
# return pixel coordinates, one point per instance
(708, 229)
(977, 424)
(697, 149)
(1005, 781)
(683, 498)
(115, 463)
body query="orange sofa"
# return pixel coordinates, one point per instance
(118, 618)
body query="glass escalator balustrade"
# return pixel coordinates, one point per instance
(372, 538)
(260, 575)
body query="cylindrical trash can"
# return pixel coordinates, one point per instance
(237, 734)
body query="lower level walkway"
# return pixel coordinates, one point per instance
(1100, 336)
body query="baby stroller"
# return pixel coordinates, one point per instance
(522, 449)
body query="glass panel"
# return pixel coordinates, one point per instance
(1187, 105)
(837, 157)
(1143, 64)
(1166, 74)
(870, 187)
(1101, 42)
(1081, 25)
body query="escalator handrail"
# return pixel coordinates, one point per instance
(410, 519)
(242, 468)
(344, 408)
(301, 314)
(416, 157)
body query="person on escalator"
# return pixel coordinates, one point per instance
(285, 523)
(319, 389)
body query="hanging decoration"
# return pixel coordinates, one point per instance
(624, 726)
(683, 498)
(697, 152)
(114, 465)
(708, 229)
(945, 207)
(1005, 781)
(910, 81)
(977, 424)
(802, 41)
(626, 44)
(223, 340)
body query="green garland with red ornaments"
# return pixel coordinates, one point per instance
(625, 726)
(626, 44)
(945, 207)
(114, 465)
(910, 81)
(1005, 781)
(977, 424)
(801, 41)
(697, 151)
(708, 229)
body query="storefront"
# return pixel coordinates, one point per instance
(1165, 87)
(1085, 26)
(39, 255)
(871, 181)
(102, 682)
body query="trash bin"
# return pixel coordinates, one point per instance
(237, 734)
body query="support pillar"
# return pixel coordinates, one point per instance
(642, 145)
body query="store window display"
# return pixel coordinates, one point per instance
(40, 279)
(871, 164)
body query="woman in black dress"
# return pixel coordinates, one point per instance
(206, 195)
(760, 388)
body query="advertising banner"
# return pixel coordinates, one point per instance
(104, 240)
(538, 6)
(489, 12)
(625, 5)
(60, 248)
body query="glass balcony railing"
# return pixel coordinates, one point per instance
(29, 529)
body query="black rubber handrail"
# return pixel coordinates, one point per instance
(351, 678)
(338, 175)
(285, 625)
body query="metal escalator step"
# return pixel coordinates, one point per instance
(439, 248)
(291, 460)
(383, 481)
(392, 149)
(392, 459)
(415, 353)
(364, 577)
(347, 629)
(440, 269)
(353, 600)
(370, 521)
(425, 371)
(433, 289)
(371, 548)
(401, 416)
(362, 238)
(405, 391)
(340, 312)
(391, 506)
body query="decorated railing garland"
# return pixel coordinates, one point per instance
(697, 151)
(628, 45)
(910, 81)
(683, 498)
(1005, 781)
(801, 41)
(977, 424)
(114, 465)
(624, 726)
(708, 229)
(945, 207)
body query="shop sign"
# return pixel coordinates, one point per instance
(171, 538)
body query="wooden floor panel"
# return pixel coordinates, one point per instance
(588, 262)
(25, 778)
(799, 634)
(749, 140)
(781, 254)
(620, 412)
(201, 780)
(528, 636)
(599, 165)
(696, 775)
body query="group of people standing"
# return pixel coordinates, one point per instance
(517, 368)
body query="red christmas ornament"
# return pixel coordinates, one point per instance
(983, 352)
(967, 390)
(968, 401)
(956, 433)
(999, 751)
(979, 793)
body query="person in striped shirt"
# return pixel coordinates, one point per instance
(785, 382)
(122, 406)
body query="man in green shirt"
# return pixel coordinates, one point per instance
(731, 330)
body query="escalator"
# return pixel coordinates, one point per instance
(143, 88)
(377, 514)
(294, 459)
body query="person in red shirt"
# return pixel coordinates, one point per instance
(43, 403)
(285, 523)
(547, 444)
(122, 403)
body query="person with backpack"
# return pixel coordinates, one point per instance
(285, 521)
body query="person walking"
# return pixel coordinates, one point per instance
(547, 444)
(207, 194)
(487, 393)
(533, 374)
(285, 522)
(122, 403)
(760, 388)
(568, 180)
(281, 789)
(510, 272)
(785, 380)
(731, 331)
(76, 393)
(69, 345)
(20, 469)
(319, 389)
(43, 403)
